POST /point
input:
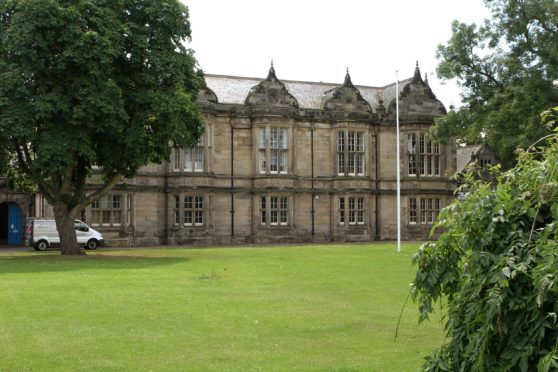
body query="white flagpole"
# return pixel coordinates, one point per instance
(398, 161)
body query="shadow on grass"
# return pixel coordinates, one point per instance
(57, 263)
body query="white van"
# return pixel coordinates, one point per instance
(42, 233)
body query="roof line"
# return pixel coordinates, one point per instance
(308, 82)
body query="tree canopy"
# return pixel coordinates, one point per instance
(106, 83)
(506, 67)
(496, 266)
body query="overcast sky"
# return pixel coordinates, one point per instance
(318, 40)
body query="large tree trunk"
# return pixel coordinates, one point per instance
(66, 231)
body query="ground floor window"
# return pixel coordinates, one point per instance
(351, 210)
(189, 210)
(423, 210)
(274, 210)
(107, 211)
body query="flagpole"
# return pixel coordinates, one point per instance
(398, 162)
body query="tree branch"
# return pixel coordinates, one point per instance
(98, 193)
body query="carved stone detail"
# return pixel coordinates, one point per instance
(418, 99)
(206, 95)
(345, 98)
(271, 92)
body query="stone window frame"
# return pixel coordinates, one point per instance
(275, 210)
(273, 150)
(424, 157)
(423, 210)
(190, 209)
(197, 155)
(350, 153)
(107, 211)
(351, 210)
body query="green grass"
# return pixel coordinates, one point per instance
(328, 307)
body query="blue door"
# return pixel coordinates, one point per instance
(15, 224)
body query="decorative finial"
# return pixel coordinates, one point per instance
(347, 81)
(426, 78)
(271, 74)
(380, 108)
(417, 76)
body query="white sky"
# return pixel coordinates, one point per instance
(317, 40)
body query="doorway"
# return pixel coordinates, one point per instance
(11, 223)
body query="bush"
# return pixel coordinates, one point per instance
(495, 266)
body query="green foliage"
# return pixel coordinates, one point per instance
(496, 266)
(107, 83)
(506, 67)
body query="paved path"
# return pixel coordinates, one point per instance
(4, 248)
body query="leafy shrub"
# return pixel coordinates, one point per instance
(495, 266)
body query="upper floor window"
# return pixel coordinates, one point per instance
(190, 159)
(273, 150)
(484, 162)
(423, 156)
(274, 211)
(350, 153)
(107, 211)
(423, 210)
(351, 210)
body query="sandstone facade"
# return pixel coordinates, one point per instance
(287, 161)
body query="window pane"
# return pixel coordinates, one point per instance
(199, 217)
(176, 165)
(360, 141)
(262, 161)
(359, 163)
(274, 166)
(188, 202)
(106, 218)
(199, 159)
(95, 220)
(283, 217)
(188, 217)
(188, 165)
(262, 138)
(411, 143)
(274, 138)
(351, 168)
(199, 202)
(283, 138)
(116, 201)
(282, 161)
(341, 141)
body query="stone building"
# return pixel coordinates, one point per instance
(287, 161)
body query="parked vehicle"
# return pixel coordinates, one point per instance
(43, 233)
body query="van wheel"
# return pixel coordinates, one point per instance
(92, 244)
(42, 245)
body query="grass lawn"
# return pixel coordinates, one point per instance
(313, 307)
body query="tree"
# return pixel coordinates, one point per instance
(496, 266)
(506, 67)
(105, 83)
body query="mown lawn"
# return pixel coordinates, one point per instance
(327, 307)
